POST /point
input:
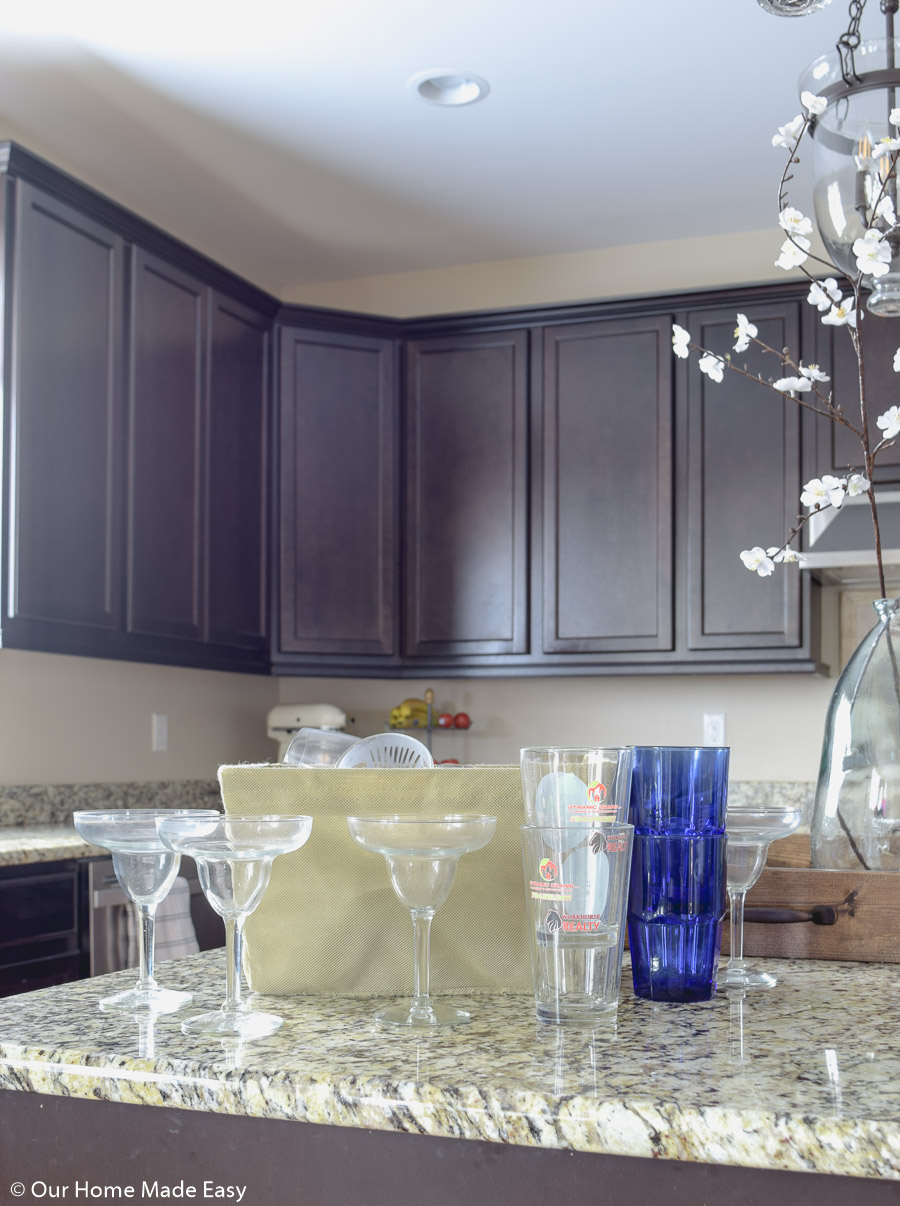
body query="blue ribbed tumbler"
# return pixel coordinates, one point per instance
(677, 893)
(676, 904)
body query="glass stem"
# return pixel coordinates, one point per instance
(146, 924)
(234, 943)
(736, 897)
(421, 919)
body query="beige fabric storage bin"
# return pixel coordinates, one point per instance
(329, 922)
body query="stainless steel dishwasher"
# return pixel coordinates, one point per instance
(108, 909)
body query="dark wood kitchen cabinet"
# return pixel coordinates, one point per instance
(837, 449)
(197, 460)
(166, 420)
(465, 563)
(135, 439)
(544, 491)
(741, 481)
(64, 446)
(338, 498)
(574, 499)
(43, 926)
(238, 478)
(607, 565)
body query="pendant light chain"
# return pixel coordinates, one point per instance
(849, 42)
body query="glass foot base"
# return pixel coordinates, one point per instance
(422, 1017)
(150, 1000)
(746, 978)
(242, 1024)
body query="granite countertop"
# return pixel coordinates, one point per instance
(805, 1076)
(21, 844)
(36, 821)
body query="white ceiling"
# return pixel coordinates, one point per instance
(282, 140)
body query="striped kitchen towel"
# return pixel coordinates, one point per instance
(175, 934)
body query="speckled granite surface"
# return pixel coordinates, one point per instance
(36, 822)
(805, 1076)
(54, 805)
(42, 844)
(798, 794)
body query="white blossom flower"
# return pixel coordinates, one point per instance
(857, 484)
(813, 104)
(889, 423)
(885, 210)
(680, 341)
(794, 222)
(873, 254)
(793, 252)
(814, 373)
(758, 559)
(788, 134)
(840, 315)
(827, 491)
(824, 294)
(793, 385)
(885, 146)
(744, 332)
(713, 366)
(786, 554)
(897, 361)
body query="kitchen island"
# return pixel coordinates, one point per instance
(779, 1096)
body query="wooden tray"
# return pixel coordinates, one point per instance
(867, 905)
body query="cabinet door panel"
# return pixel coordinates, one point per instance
(66, 410)
(608, 487)
(237, 475)
(166, 422)
(837, 449)
(743, 477)
(338, 492)
(466, 500)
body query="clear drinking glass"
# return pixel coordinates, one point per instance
(146, 870)
(750, 832)
(421, 855)
(234, 858)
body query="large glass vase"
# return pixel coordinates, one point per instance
(856, 817)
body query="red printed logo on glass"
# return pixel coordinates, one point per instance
(548, 869)
(596, 792)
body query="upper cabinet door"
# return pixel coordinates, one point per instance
(337, 474)
(742, 476)
(837, 449)
(607, 487)
(166, 422)
(64, 436)
(237, 475)
(466, 501)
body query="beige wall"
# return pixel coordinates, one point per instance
(774, 723)
(87, 720)
(84, 720)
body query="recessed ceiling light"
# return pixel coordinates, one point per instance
(446, 86)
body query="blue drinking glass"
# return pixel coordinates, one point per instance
(676, 903)
(679, 789)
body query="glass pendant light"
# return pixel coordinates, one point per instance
(792, 8)
(855, 187)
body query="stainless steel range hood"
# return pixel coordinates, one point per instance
(840, 542)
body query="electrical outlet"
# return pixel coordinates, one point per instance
(713, 728)
(159, 726)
